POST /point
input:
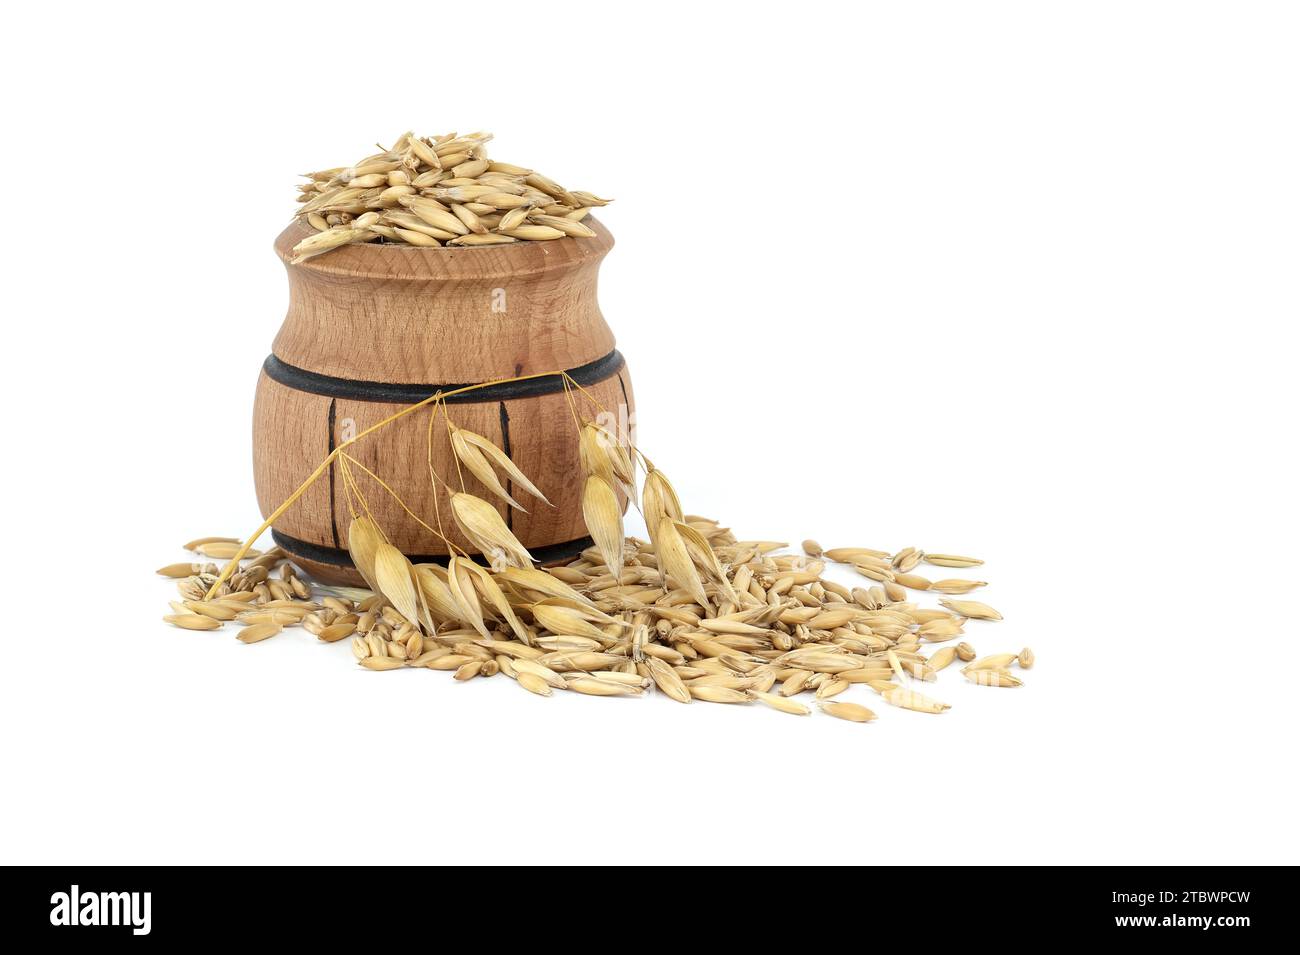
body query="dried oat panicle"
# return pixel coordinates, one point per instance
(693, 612)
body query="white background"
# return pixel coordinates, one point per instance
(1016, 279)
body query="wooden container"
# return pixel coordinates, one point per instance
(372, 329)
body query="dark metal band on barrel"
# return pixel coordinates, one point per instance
(549, 554)
(402, 394)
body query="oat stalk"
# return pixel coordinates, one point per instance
(302, 488)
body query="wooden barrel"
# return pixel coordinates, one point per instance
(372, 329)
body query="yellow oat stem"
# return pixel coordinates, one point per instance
(586, 394)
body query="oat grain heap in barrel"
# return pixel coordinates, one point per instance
(435, 191)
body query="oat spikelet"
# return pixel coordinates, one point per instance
(667, 680)
(502, 460)
(490, 591)
(319, 243)
(426, 617)
(432, 583)
(591, 453)
(533, 683)
(461, 585)
(675, 561)
(363, 541)
(602, 453)
(659, 500)
(604, 519)
(478, 465)
(540, 670)
(393, 576)
(562, 621)
(482, 524)
(434, 214)
(702, 553)
(524, 579)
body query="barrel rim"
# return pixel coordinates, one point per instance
(447, 263)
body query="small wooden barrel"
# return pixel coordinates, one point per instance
(372, 329)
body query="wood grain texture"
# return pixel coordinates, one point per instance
(424, 316)
(411, 315)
